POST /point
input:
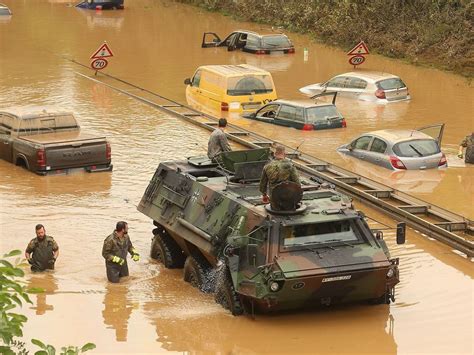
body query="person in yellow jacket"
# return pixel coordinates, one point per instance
(115, 249)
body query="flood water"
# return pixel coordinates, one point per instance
(157, 45)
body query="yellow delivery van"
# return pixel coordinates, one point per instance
(234, 88)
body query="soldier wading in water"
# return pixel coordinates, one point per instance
(45, 250)
(115, 251)
(277, 171)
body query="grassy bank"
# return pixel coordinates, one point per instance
(428, 32)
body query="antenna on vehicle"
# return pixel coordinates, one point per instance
(297, 148)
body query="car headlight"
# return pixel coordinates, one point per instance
(274, 286)
(390, 273)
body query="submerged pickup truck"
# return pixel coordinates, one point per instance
(47, 140)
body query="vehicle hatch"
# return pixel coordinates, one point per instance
(394, 89)
(434, 131)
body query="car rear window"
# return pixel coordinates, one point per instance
(416, 148)
(321, 113)
(391, 84)
(275, 41)
(249, 85)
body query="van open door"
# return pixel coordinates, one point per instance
(210, 39)
(434, 131)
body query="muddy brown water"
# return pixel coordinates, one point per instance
(156, 45)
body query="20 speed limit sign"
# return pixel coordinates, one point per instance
(356, 60)
(99, 63)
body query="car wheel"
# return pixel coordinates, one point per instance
(226, 295)
(165, 250)
(197, 272)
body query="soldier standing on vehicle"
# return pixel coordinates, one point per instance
(277, 171)
(115, 251)
(468, 143)
(42, 251)
(218, 141)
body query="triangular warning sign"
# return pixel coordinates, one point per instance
(359, 49)
(103, 52)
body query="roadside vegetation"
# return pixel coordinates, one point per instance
(13, 294)
(427, 32)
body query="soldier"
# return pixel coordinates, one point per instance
(277, 171)
(468, 143)
(218, 141)
(115, 251)
(44, 248)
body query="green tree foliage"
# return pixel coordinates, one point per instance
(426, 31)
(13, 293)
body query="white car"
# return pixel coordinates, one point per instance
(366, 86)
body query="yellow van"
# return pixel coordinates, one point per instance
(234, 88)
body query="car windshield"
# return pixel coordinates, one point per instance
(275, 41)
(416, 148)
(391, 84)
(320, 113)
(342, 231)
(249, 85)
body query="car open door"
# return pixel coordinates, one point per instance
(210, 39)
(434, 131)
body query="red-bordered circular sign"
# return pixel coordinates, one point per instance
(99, 63)
(356, 60)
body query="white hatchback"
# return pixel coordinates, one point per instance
(367, 86)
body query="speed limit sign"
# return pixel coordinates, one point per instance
(356, 60)
(99, 63)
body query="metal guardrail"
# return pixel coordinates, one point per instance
(431, 220)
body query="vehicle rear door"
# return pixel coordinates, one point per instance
(290, 116)
(434, 131)
(376, 153)
(394, 88)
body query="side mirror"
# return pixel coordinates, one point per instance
(379, 235)
(187, 81)
(253, 114)
(401, 230)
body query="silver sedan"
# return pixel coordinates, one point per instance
(398, 149)
(365, 86)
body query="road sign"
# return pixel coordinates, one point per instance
(103, 52)
(356, 60)
(99, 63)
(359, 49)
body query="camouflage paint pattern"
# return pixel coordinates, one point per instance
(206, 212)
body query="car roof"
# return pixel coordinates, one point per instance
(266, 34)
(400, 135)
(302, 103)
(234, 70)
(28, 112)
(369, 75)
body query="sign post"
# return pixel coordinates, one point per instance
(358, 54)
(98, 57)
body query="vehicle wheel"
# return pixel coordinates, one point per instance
(166, 250)
(197, 272)
(226, 295)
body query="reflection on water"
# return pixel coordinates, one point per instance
(48, 283)
(117, 310)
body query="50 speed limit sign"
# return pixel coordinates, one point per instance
(99, 63)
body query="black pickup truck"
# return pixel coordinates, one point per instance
(47, 140)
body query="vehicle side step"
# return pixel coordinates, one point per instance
(174, 105)
(239, 133)
(191, 114)
(264, 144)
(211, 123)
(414, 209)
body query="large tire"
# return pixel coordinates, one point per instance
(226, 295)
(197, 272)
(166, 250)
(384, 299)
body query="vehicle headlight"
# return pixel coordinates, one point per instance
(274, 286)
(390, 273)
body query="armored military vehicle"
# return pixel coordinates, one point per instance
(210, 219)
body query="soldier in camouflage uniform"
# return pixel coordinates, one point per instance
(277, 171)
(115, 251)
(44, 248)
(468, 143)
(218, 141)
